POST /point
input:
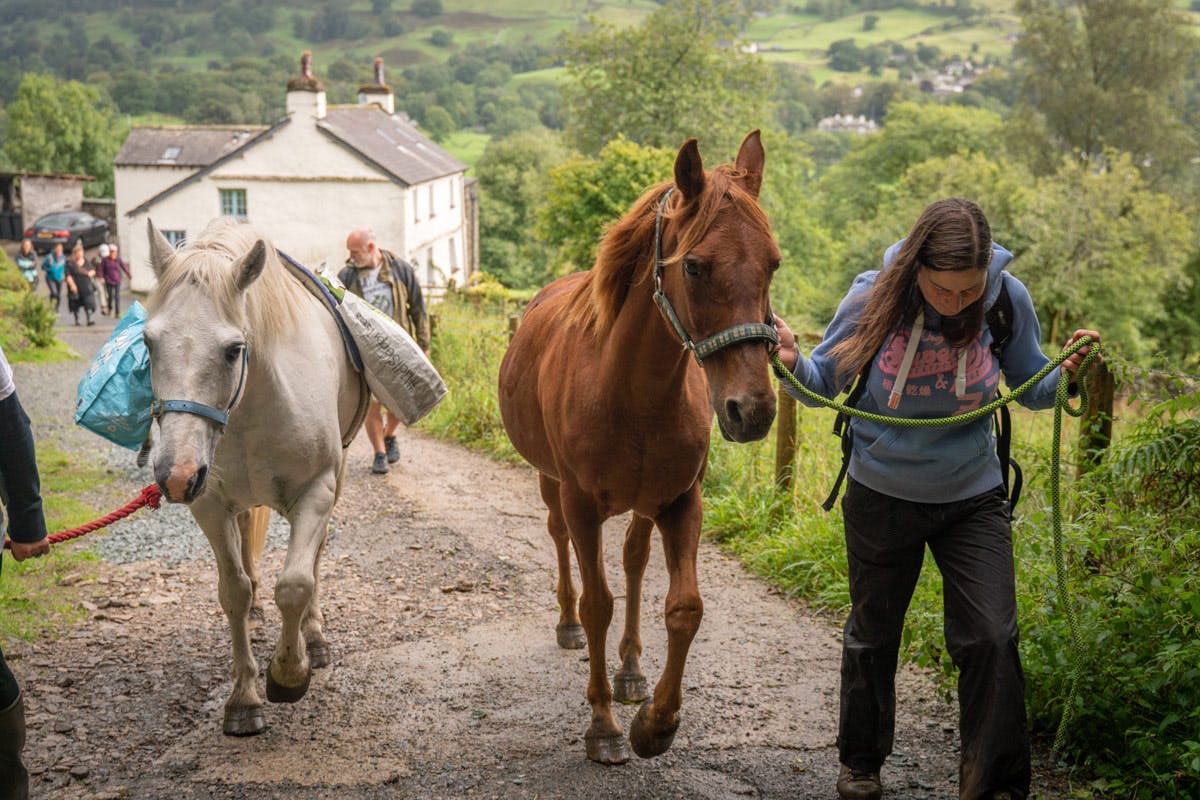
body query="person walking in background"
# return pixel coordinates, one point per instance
(916, 331)
(390, 284)
(20, 492)
(101, 288)
(110, 269)
(55, 267)
(27, 262)
(81, 290)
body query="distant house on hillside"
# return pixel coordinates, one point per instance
(306, 182)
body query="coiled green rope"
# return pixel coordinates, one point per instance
(1061, 404)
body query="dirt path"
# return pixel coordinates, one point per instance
(438, 590)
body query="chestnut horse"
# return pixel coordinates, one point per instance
(597, 394)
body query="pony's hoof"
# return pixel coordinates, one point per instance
(649, 743)
(630, 687)
(608, 749)
(244, 721)
(318, 655)
(278, 693)
(570, 636)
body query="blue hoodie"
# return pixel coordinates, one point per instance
(938, 464)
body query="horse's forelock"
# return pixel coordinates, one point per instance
(207, 262)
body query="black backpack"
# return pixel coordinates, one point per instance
(999, 322)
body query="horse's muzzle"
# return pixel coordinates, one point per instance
(746, 418)
(181, 484)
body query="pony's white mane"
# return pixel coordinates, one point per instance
(271, 301)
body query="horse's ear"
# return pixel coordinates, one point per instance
(750, 160)
(689, 170)
(160, 249)
(250, 266)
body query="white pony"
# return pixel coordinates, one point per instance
(256, 400)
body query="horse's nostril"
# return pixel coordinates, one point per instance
(733, 411)
(196, 483)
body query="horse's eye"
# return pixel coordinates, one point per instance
(233, 352)
(692, 266)
(775, 266)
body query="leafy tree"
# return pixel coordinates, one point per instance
(427, 8)
(590, 192)
(58, 126)
(438, 123)
(1101, 74)
(682, 73)
(854, 189)
(513, 183)
(1104, 249)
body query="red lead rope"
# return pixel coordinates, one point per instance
(150, 496)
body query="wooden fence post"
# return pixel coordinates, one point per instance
(1095, 427)
(433, 326)
(514, 322)
(785, 439)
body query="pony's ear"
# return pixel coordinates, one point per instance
(750, 160)
(160, 249)
(250, 266)
(689, 171)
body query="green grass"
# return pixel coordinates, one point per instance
(33, 595)
(466, 146)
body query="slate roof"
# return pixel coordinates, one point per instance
(183, 146)
(389, 142)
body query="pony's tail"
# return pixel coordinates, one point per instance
(255, 532)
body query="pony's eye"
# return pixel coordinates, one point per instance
(233, 352)
(692, 266)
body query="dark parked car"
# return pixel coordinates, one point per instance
(67, 227)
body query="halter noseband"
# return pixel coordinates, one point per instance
(705, 347)
(160, 407)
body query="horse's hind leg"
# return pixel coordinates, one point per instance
(243, 709)
(604, 740)
(313, 626)
(653, 729)
(629, 684)
(253, 525)
(290, 669)
(568, 631)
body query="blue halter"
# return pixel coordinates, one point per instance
(160, 407)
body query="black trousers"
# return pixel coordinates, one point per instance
(114, 298)
(971, 541)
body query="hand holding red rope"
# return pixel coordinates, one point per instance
(150, 496)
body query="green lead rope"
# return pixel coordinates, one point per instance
(1061, 403)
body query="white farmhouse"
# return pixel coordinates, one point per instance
(306, 182)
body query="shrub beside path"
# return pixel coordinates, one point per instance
(438, 592)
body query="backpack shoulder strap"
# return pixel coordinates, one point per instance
(1000, 319)
(1000, 322)
(841, 428)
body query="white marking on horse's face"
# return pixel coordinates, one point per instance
(195, 354)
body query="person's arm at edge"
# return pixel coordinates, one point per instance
(20, 483)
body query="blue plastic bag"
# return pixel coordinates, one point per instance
(114, 395)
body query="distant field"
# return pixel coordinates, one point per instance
(466, 146)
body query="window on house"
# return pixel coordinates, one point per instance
(453, 256)
(233, 203)
(432, 207)
(176, 238)
(430, 278)
(416, 206)
(452, 193)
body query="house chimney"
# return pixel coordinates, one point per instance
(378, 92)
(306, 94)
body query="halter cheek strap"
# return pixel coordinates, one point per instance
(219, 416)
(705, 347)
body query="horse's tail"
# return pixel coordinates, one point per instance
(256, 532)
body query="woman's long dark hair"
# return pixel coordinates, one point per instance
(950, 235)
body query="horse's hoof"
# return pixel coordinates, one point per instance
(649, 743)
(278, 693)
(244, 721)
(570, 636)
(608, 749)
(318, 655)
(630, 687)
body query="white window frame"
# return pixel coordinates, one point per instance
(229, 199)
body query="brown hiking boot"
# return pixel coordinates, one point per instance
(857, 784)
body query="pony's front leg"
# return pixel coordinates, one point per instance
(604, 739)
(654, 727)
(629, 684)
(568, 632)
(290, 669)
(243, 709)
